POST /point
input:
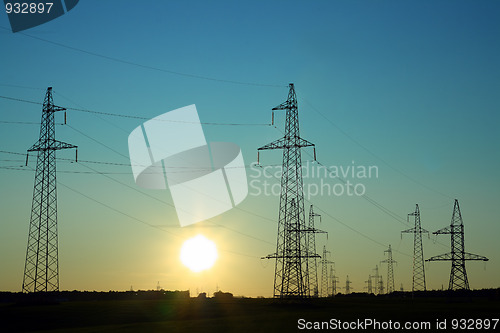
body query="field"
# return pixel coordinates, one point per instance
(226, 314)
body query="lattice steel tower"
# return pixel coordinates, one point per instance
(335, 280)
(369, 288)
(41, 269)
(347, 285)
(418, 252)
(390, 270)
(312, 261)
(377, 278)
(457, 256)
(380, 285)
(291, 258)
(324, 272)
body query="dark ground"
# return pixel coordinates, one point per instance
(176, 312)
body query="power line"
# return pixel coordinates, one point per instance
(343, 223)
(136, 117)
(169, 204)
(20, 122)
(18, 86)
(139, 220)
(373, 202)
(364, 196)
(194, 76)
(372, 153)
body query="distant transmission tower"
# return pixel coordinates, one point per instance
(347, 285)
(418, 252)
(41, 269)
(291, 255)
(335, 280)
(457, 256)
(376, 279)
(324, 272)
(390, 270)
(380, 285)
(330, 287)
(312, 261)
(369, 288)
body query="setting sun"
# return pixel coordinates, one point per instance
(198, 253)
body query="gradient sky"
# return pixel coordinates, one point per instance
(408, 86)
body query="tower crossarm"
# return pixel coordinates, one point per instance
(290, 103)
(53, 145)
(386, 261)
(306, 255)
(449, 256)
(285, 143)
(471, 256)
(444, 231)
(441, 257)
(314, 230)
(412, 230)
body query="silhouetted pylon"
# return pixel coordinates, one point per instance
(312, 260)
(41, 268)
(390, 270)
(335, 280)
(376, 280)
(324, 272)
(418, 252)
(291, 256)
(380, 285)
(457, 256)
(347, 285)
(369, 288)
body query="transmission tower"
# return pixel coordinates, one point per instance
(41, 269)
(376, 279)
(380, 285)
(335, 280)
(330, 287)
(324, 272)
(347, 285)
(291, 258)
(418, 252)
(390, 271)
(312, 260)
(369, 288)
(457, 256)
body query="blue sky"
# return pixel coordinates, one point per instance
(410, 87)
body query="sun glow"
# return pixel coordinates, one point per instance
(198, 253)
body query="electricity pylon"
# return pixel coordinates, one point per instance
(290, 266)
(41, 269)
(335, 280)
(457, 256)
(369, 288)
(390, 270)
(380, 285)
(324, 272)
(312, 261)
(376, 279)
(347, 285)
(418, 252)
